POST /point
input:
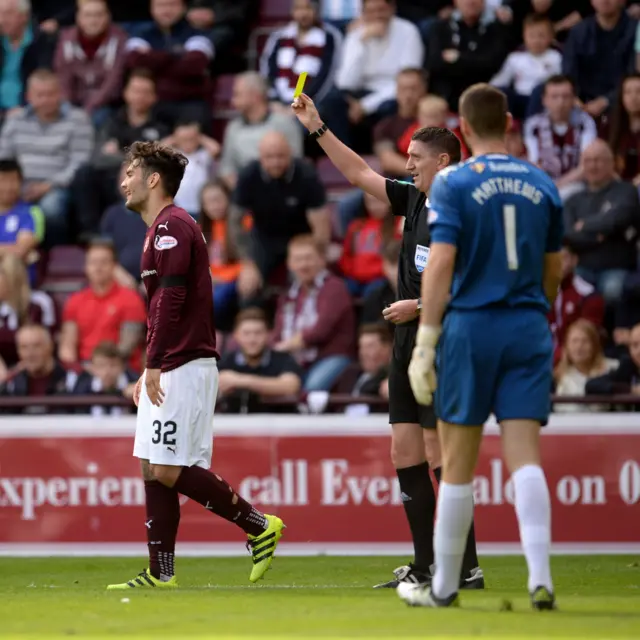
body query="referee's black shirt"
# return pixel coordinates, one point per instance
(407, 201)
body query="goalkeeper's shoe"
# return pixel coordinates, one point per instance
(263, 547)
(144, 580)
(473, 580)
(409, 574)
(543, 600)
(419, 596)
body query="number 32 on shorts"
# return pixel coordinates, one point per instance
(164, 432)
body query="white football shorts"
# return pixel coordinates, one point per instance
(180, 431)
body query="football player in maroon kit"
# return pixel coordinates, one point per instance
(176, 394)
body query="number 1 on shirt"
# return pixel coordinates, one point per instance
(509, 218)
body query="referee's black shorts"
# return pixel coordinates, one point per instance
(402, 405)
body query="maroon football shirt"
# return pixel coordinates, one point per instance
(175, 272)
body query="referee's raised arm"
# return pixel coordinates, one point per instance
(349, 163)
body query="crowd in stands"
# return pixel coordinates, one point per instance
(302, 266)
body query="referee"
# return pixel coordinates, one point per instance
(414, 441)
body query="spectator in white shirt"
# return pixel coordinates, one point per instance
(373, 55)
(201, 151)
(523, 70)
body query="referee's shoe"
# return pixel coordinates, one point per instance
(410, 575)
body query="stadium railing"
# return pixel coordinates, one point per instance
(334, 402)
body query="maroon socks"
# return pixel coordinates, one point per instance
(214, 494)
(163, 518)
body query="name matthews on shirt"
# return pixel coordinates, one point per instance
(498, 185)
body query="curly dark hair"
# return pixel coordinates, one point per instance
(154, 157)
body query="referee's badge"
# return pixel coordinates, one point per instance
(421, 257)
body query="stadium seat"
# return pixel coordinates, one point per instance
(275, 11)
(222, 92)
(330, 176)
(65, 263)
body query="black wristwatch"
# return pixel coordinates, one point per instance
(318, 133)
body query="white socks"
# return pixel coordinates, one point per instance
(453, 521)
(533, 509)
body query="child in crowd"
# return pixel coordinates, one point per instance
(201, 152)
(223, 252)
(361, 260)
(524, 70)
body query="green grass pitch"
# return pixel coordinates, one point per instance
(599, 597)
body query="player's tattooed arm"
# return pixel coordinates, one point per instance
(130, 337)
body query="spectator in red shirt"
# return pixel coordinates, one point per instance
(361, 260)
(19, 306)
(315, 320)
(103, 312)
(38, 373)
(577, 299)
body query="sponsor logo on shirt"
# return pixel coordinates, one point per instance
(165, 242)
(148, 272)
(478, 167)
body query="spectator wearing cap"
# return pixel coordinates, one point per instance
(89, 60)
(315, 320)
(374, 53)
(254, 370)
(21, 224)
(23, 49)
(286, 198)
(104, 311)
(37, 373)
(256, 118)
(304, 45)
(51, 140)
(179, 56)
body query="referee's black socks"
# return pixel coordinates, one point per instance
(470, 560)
(419, 500)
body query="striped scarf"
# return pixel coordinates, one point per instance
(297, 54)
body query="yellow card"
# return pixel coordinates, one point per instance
(300, 86)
